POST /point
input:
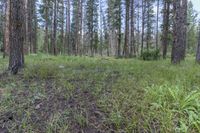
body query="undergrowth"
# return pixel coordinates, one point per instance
(131, 95)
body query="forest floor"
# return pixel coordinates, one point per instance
(99, 95)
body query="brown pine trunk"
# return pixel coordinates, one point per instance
(62, 27)
(180, 29)
(17, 36)
(55, 28)
(67, 33)
(46, 36)
(143, 24)
(157, 20)
(198, 48)
(133, 48)
(126, 49)
(165, 34)
(7, 29)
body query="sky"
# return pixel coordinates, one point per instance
(196, 4)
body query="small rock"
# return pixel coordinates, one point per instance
(38, 106)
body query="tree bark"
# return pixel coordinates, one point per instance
(157, 20)
(166, 26)
(180, 29)
(133, 48)
(17, 36)
(198, 48)
(126, 49)
(46, 36)
(54, 41)
(7, 29)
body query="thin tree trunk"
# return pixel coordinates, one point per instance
(157, 21)
(7, 29)
(55, 28)
(143, 23)
(62, 27)
(126, 49)
(165, 35)
(198, 48)
(46, 36)
(133, 49)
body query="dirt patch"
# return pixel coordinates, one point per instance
(83, 103)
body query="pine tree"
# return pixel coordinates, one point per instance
(17, 36)
(92, 24)
(191, 27)
(166, 27)
(180, 29)
(198, 48)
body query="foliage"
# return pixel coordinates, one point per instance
(150, 55)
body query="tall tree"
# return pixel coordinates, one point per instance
(92, 24)
(17, 36)
(149, 23)
(126, 41)
(191, 28)
(67, 28)
(7, 29)
(157, 21)
(132, 34)
(198, 48)
(54, 28)
(180, 30)
(166, 27)
(143, 24)
(46, 17)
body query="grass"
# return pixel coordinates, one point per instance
(72, 94)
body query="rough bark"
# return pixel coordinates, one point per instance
(17, 36)
(180, 29)
(54, 42)
(67, 33)
(198, 48)
(143, 24)
(46, 36)
(133, 48)
(166, 26)
(126, 49)
(157, 21)
(6, 30)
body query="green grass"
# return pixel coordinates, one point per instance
(127, 95)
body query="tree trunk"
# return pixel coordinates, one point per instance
(7, 29)
(46, 36)
(198, 48)
(133, 48)
(17, 36)
(157, 19)
(166, 26)
(126, 44)
(180, 29)
(143, 24)
(68, 33)
(54, 41)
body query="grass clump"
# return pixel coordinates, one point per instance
(176, 108)
(42, 71)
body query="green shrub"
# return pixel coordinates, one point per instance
(150, 55)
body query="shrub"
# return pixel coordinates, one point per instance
(151, 55)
